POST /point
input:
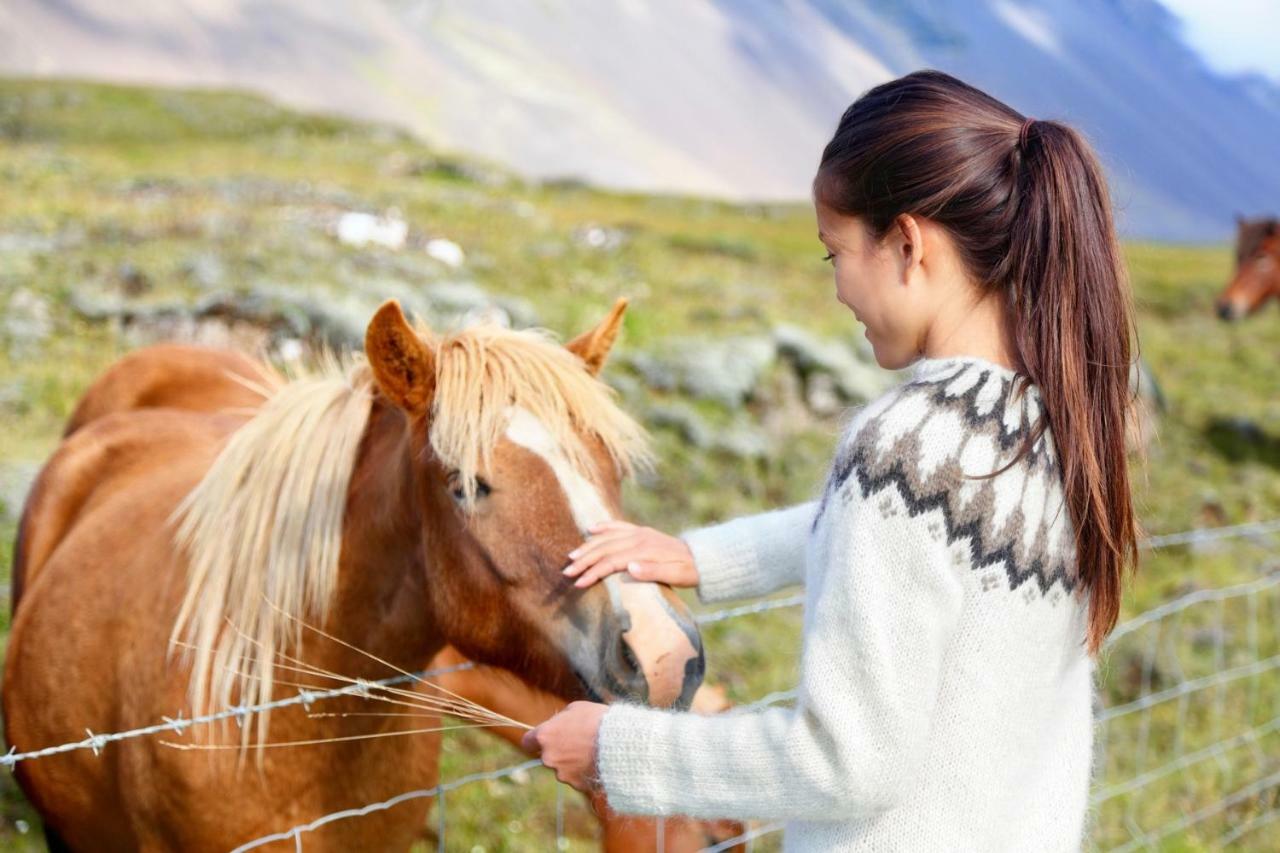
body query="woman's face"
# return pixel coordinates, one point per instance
(871, 280)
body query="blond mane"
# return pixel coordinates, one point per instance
(263, 529)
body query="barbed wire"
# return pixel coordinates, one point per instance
(179, 724)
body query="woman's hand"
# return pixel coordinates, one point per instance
(567, 743)
(644, 553)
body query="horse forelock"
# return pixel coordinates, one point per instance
(486, 373)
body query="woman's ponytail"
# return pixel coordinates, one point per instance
(1027, 207)
(1072, 317)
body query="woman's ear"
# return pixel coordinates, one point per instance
(402, 363)
(909, 244)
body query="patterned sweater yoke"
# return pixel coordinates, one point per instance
(957, 420)
(944, 697)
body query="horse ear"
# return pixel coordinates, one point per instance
(593, 346)
(402, 364)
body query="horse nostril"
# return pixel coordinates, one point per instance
(624, 675)
(628, 665)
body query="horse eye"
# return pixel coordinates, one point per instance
(459, 493)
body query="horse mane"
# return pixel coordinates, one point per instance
(262, 530)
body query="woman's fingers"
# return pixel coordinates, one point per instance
(600, 570)
(617, 546)
(598, 540)
(611, 524)
(529, 742)
(640, 571)
(597, 548)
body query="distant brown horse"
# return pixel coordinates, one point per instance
(1257, 276)
(426, 498)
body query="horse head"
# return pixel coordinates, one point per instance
(1257, 275)
(519, 449)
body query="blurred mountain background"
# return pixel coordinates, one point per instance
(726, 99)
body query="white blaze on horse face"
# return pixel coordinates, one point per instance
(656, 639)
(584, 499)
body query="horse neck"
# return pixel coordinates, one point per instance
(381, 602)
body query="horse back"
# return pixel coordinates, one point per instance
(85, 467)
(176, 376)
(94, 463)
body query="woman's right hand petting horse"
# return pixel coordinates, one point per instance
(964, 561)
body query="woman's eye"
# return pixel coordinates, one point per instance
(828, 257)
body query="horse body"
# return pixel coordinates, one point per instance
(100, 580)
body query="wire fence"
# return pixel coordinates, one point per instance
(1188, 735)
(1188, 713)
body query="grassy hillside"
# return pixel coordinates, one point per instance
(162, 197)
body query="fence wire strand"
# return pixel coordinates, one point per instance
(1149, 699)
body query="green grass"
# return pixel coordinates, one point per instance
(111, 176)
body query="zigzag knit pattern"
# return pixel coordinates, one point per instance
(938, 438)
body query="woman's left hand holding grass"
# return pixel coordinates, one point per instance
(567, 743)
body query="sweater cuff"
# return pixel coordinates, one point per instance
(752, 555)
(726, 562)
(626, 762)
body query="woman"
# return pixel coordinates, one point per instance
(964, 562)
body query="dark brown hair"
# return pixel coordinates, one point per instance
(1032, 221)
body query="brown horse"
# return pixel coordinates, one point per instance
(425, 498)
(223, 381)
(1257, 276)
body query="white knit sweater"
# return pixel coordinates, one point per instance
(945, 694)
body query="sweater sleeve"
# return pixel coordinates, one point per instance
(871, 666)
(752, 555)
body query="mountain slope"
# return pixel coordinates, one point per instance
(717, 97)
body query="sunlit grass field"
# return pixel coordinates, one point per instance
(102, 184)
